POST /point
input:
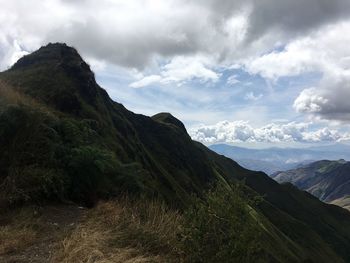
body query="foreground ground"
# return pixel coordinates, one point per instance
(108, 233)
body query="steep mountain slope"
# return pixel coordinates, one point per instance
(56, 76)
(327, 180)
(281, 158)
(62, 137)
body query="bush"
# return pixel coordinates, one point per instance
(28, 166)
(96, 172)
(90, 170)
(221, 228)
(32, 183)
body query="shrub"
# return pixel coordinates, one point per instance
(28, 165)
(96, 172)
(90, 170)
(221, 228)
(32, 183)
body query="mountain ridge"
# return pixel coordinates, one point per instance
(281, 158)
(327, 180)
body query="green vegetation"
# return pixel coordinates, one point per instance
(45, 157)
(222, 228)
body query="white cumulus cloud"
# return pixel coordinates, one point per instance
(146, 81)
(180, 70)
(242, 131)
(328, 101)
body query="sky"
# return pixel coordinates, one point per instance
(253, 73)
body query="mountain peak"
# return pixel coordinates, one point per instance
(62, 77)
(58, 57)
(51, 53)
(166, 117)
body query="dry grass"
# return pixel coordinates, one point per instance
(9, 95)
(124, 231)
(14, 239)
(91, 245)
(18, 233)
(115, 231)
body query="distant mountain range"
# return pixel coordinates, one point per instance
(327, 180)
(271, 160)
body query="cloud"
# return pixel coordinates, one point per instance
(180, 70)
(298, 57)
(328, 101)
(137, 33)
(242, 131)
(146, 81)
(324, 50)
(310, 101)
(10, 52)
(232, 80)
(250, 96)
(295, 17)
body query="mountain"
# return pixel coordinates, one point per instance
(281, 159)
(268, 167)
(259, 165)
(343, 202)
(63, 139)
(327, 180)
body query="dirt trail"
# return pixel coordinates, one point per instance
(51, 226)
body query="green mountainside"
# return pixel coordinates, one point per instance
(63, 139)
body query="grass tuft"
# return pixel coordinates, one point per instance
(18, 233)
(124, 231)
